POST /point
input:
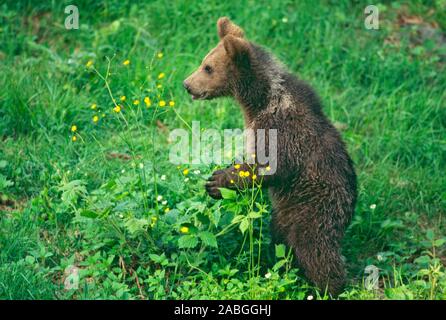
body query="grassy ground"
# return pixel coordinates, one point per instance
(110, 210)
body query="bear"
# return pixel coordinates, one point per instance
(313, 190)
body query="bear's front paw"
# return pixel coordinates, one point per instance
(219, 179)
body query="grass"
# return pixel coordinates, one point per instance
(93, 203)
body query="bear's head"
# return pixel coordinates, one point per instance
(221, 67)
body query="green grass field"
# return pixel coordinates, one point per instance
(109, 217)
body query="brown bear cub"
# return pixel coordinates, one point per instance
(313, 189)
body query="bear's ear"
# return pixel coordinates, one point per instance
(226, 27)
(238, 49)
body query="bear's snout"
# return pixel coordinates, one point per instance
(186, 86)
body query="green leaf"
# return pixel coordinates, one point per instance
(237, 219)
(254, 215)
(215, 216)
(3, 164)
(5, 183)
(30, 259)
(261, 207)
(280, 251)
(228, 193)
(439, 242)
(161, 259)
(188, 241)
(89, 214)
(244, 225)
(423, 260)
(135, 226)
(279, 264)
(399, 293)
(430, 235)
(72, 190)
(208, 239)
(155, 258)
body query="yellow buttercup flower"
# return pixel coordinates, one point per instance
(89, 63)
(268, 168)
(147, 101)
(237, 166)
(95, 119)
(161, 75)
(184, 229)
(186, 172)
(94, 106)
(232, 181)
(136, 102)
(123, 98)
(160, 55)
(117, 109)
(73, 138)
(254, 177)
(73, 128)
(244, 174)
(126, 62)
(162, 103)
(171, 103)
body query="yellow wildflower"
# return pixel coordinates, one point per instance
(171, 103)
(166, 210)
(246, 173)
(153, 220)
(147, 101)
(184, 229)
(123, 98)
(117, 109)
(126, 62)
(89, 63)
(136, 102)
(162, 103)
(73, 128)
(268, 168)
(254, 177)
(95, 119)
(94, 106)
(237, 166)
(186, 172)
(160, 55)
(232, 181)
(161, 75)
(159, 86)
(73, 138)
(241, 174)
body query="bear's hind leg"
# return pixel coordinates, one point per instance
(321, 261)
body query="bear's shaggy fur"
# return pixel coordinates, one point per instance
(313, 191)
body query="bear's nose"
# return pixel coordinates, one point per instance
(186, 86)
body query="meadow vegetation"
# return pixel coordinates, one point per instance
(87, 190)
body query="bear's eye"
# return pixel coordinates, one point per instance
(208, 69)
